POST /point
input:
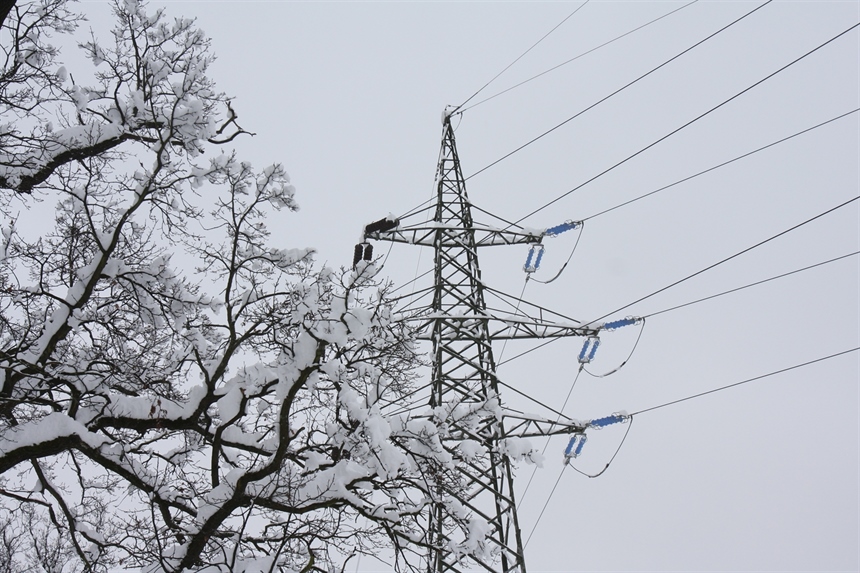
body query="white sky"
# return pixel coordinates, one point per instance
(763, 477)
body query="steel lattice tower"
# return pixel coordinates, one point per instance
(462, 330)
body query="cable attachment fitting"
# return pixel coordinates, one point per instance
(534, 257)
(559, 229)
(616, 324)
(574, 447)
(616, 418)
(589, 349)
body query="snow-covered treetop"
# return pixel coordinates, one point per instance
(177, 394)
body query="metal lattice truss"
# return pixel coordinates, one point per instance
(462, 328)
(425, 234)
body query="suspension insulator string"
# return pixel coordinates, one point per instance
(613, 326)
(612, 459)
(576, 225)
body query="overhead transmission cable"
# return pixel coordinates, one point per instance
(739, 253)
(564, 63)
(670, 185)
(541, 208)
(521, 56)
(692, 177)
(700, 394)
(676, 307)
(736, 289)
(723, 164)
(678, 182)
(564, 467)
(612, 459)
(619, 90)
(420, 207)
(543, 509)
(673, 132)
(789, 273)
(747, 381)
(548, 438)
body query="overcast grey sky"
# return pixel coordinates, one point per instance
(763, 477)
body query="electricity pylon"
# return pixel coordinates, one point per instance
(462, 329)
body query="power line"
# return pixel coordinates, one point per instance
(673, 132)
(723, 164)
(685, 179)
(549, 438)
(752, 284)
(545, 506)
(678, 129)
(543, 73)
(530, 350)
(562, 196)
(739, 253)
(612, 459)
(419, 207)
(536, 401)
(626, 360)
(598, 474)
(748, 380)
(655, 191)
(822, 263)
(578, 8)
(646, 74)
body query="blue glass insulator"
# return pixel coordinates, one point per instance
(533, 258)
(579, 446)
(619, 323)
(583, 351)
(568, 451)
(607, 421)
(558, 229)
(589, 349)
(574, 446)
(593, 349)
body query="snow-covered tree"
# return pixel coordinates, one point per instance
(176, 394)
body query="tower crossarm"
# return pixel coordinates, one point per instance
(426, 234)
(521, 425)
(465, 326)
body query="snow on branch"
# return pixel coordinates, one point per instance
(177, 394)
